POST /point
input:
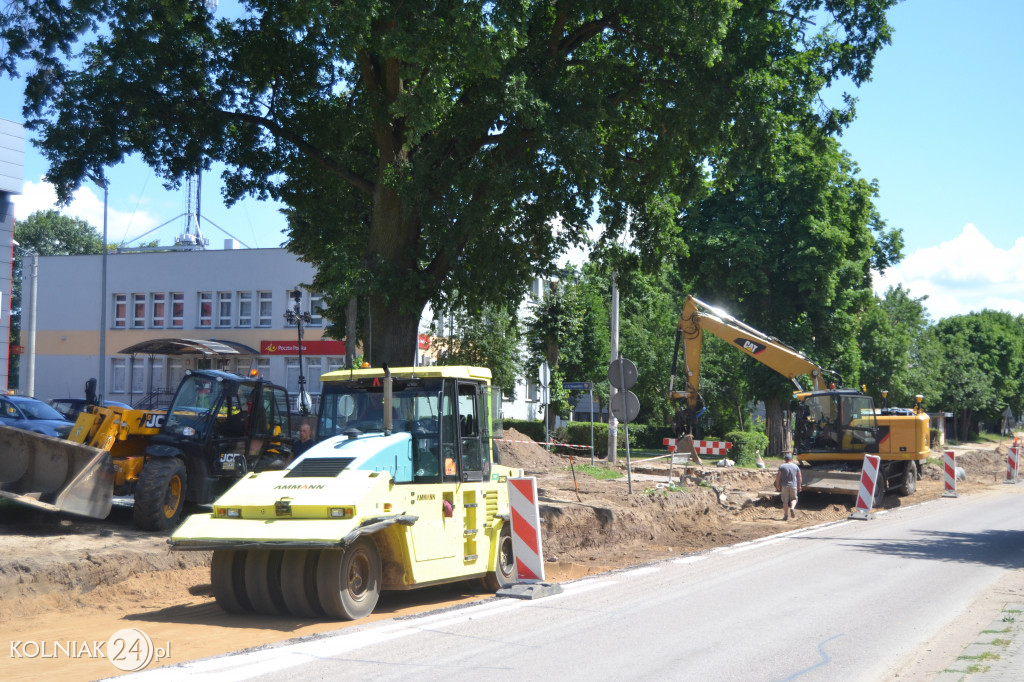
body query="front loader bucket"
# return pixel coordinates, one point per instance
(833, 482)
(55, 474)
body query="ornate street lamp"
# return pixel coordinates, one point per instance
(297, 317)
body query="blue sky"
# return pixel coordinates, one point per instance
(939, 127)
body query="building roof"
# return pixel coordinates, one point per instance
(189, 347)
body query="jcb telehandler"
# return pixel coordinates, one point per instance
(218, 428)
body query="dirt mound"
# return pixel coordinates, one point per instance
(520, 451)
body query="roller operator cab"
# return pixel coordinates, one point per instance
(403, 489)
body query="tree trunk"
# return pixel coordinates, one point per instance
(393, 333)
(778, 433)
(350, 331)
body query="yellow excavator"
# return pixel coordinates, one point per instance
(833, 427)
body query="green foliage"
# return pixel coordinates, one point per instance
(484, 338)
(569, 330)
(602, 473)
(890, 340)
(47, 233)
(745, 446)
(437, 156)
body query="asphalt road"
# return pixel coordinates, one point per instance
(847, 601)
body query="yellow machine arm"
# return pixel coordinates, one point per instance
(698, 316)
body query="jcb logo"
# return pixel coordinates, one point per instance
(752, 347)
(154, 421)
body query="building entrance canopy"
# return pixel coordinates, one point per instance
(189, 347)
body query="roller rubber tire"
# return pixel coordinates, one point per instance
(227, 575)
(298, 583)
(263, 581)
(160, 494)
(348, 581)
(504, 573)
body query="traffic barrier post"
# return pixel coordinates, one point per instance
(949, 473)
(527, 544)
(1013, 465)
(866, 494)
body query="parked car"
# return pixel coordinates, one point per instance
(70, 408)
(30, 414)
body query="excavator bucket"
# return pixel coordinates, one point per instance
(55, 474)
(833, 482)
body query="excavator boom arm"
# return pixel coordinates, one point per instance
(698, 317)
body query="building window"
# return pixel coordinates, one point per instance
(316, 310)
(334, 364)
(159, 309)
(263, 367)
(177, 310)
(120, 311)
(224, 299)
(118, 374)
(291, 375)
(532, 393)
(244, 308)
(157, 374)
(266, 308)
(138, 311)
(205, 309)
(175, 372)
(313, 372)
(139, 376)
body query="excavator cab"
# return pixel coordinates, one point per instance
(840, 421)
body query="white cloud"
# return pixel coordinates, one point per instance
(87, 204)
(965, 274)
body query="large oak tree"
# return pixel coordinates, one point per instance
(434, 151)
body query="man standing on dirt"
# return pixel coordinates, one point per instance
(789, 481)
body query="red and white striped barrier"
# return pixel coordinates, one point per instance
(866, 494)
(526, 541)
(1013, 465)
(949, 473)
(712, 447)
(671, 443)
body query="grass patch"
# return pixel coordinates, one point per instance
(985, 656)
(976, 668)
(594, 471)
(997, 632)
(664, 490)
(1001, 642)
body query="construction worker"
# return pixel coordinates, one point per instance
(789, 481)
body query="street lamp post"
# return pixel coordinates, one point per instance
(102, 182)
(297, 317)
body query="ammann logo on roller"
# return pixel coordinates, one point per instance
(300, 486)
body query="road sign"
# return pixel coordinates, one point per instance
(577, 385)
(625, 406)
(622, 371)
(545, 375)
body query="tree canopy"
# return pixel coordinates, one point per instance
(47, 233)
(436, 152)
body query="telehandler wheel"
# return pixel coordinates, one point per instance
(504, 573)
(909, 486)
(298, 583)
(227, 575)
(160, 494)
(263, 581)
(348, 580)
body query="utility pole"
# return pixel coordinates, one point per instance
(613, 423)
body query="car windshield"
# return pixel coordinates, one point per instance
(193, 406)
(359, 405)
(35, 409)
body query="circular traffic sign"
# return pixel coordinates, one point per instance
(625, 406)
(622, 373)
